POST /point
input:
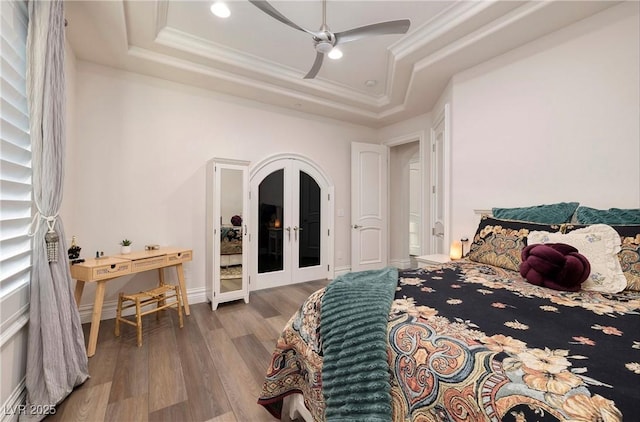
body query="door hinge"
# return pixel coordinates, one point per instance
(433, 231)
(328, 197)
(249, 194)
(433, 189)
(433, 147)
(328, 232)
(327, 268)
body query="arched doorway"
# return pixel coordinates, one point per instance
(291, 205)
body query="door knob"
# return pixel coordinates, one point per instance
(357, 226)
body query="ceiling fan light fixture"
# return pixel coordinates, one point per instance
(335, 53)
(220, 9)
(324, 47)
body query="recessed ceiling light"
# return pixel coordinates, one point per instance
(371, 83)
(335, 53)
(220, 9)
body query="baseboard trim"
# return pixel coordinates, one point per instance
(342, 270)
(402, 264)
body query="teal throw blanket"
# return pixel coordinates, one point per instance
(353, 327)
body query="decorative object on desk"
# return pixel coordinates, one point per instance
(74, 251)
(455, 252)
(125, 246)
(151, 247)
(99, 254)
(236, 220)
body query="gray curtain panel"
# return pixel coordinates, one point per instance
(56, 355)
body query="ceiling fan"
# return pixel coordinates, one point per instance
(324, 40)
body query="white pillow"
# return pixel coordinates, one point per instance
(600, 244)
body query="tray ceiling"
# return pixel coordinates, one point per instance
(253, 56)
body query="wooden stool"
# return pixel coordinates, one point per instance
(157, 296)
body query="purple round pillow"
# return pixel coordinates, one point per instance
(554, 265)
(236, 220)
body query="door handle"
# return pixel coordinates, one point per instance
(357, 226)
(289, 233)
(295, 233)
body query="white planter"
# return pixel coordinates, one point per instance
(125, 249)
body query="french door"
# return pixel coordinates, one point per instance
(290, 203)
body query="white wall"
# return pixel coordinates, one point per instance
(555, 120)
(136, 167)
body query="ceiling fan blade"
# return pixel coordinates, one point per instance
(316, 66)
(382, 28)
(271, 11)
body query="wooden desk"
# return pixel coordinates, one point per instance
(105, 269)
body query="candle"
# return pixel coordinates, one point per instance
(455, 252)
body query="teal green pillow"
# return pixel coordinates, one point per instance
(545, 214)
(586, 215)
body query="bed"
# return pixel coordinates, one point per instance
(475, 340)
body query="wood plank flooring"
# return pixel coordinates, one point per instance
(212, 369)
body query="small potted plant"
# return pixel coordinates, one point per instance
(125, 246)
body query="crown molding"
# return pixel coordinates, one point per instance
(234, 78)
(174, 38)
(481, 33)
(439, 25)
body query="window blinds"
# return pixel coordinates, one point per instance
(15, 153)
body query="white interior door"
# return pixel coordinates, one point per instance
(290, 203)
(369, 208)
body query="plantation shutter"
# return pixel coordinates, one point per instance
(15, 163)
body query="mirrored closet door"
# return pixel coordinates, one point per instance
(227, 231)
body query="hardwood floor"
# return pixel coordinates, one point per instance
(212, 369)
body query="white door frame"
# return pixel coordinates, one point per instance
(443, 120)
(327, 187)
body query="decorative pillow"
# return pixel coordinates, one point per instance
(500, 242)
(557, 266)
(629, 255)
(546, 214)
(600, 244)
(586, 215)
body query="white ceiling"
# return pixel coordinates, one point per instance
(251, 55)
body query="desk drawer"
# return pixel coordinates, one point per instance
(148, 263)
(110, 271)
(178, 257)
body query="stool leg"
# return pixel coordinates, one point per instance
(179, 301)
(138, 322)
(119, 314)
(159, 302)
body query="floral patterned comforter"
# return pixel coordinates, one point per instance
(468, 341)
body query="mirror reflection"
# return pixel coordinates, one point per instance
(231, 230)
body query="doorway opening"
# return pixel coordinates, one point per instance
(406, 209)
